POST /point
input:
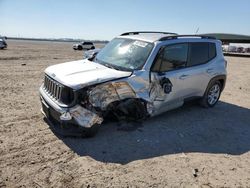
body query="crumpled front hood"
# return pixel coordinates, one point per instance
(78, 74)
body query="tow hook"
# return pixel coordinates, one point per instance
(65, 116)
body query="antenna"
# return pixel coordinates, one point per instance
(197, 30)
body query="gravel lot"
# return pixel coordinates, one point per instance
(187, 147)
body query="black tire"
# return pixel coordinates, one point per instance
(91, 132)
(92, 48)
(79, 47)
(205, 100)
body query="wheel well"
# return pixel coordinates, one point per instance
(221, 79)
(131, 108)
(222, 82)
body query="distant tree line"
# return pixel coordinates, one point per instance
(57, 40)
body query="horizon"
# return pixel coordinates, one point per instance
(100, 40)
(104, 20)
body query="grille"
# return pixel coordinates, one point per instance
(60, 93)
(53, 88)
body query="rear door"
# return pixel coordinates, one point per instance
(199, 67)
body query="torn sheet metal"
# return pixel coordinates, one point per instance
(123, 90)
(156, 92)
(102, 95)
(84, 117)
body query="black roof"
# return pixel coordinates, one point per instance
(230, 38)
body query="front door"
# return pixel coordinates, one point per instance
(169, 78)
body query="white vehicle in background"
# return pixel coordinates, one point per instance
(225, 48)
(3, 44)
(247, 50)
(240, 49)
(232, 49)
(84, 46)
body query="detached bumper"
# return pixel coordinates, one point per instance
(76, 115)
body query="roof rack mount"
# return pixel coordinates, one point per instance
(180, 36)
(142, 32)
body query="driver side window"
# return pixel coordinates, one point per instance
(171, 57)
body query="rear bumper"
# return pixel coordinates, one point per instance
(3, 46)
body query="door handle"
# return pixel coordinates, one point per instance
(184, 76)
(209, 71)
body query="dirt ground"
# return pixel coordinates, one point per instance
(187, 147)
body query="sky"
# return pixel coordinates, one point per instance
(105, 19)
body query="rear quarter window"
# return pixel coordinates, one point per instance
(212, 50)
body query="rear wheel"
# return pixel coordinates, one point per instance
(211, 95)
(79, 47)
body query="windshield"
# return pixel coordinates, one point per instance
(124, 54)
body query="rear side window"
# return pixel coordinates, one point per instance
(212, 50)
(88, 43)
(200, 53)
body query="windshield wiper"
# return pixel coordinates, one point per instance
(111, 66)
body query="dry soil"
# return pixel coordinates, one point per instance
(187, 147)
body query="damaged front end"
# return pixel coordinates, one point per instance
(116, 99)
(94, 104)
(127, 99)
(84, 117)
(68, 115)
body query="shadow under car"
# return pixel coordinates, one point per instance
(224, 129)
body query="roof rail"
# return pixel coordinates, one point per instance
(179, 36)
(138, 32)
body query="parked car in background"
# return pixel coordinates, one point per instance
(225, 48)
(240, 50)
(3, 44)
(247, 50)
(232, 49)
(84, 46)
(91, 53)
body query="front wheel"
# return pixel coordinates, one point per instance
(211, 95)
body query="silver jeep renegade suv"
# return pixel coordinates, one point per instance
(135, 76)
